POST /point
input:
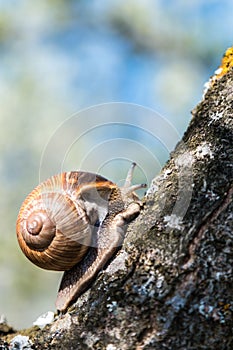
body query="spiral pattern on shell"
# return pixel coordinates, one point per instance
(54, 228)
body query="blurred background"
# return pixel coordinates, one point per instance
(60, 57)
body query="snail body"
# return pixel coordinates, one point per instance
(75, 222)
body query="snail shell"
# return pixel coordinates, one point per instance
(54, 226)
(66, 215)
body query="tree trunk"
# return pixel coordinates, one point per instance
(171, 284)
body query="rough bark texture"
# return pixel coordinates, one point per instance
(170, 286)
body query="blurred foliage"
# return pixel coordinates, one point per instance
(57, 57)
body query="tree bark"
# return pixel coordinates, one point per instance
(170, 286)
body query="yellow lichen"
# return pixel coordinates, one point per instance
(227, 63)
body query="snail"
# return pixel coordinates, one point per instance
(75, 222)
